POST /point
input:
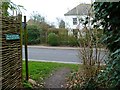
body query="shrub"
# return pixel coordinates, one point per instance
(83, 42)
(33, 34)
(63, 39)
(109, 19)
(72, 41)
(62, 34)
(53, 39)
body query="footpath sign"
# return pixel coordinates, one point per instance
(12, 36)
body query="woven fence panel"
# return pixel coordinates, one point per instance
(11, 54)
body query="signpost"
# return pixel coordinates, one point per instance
(26, 51)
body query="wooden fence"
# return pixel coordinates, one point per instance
(11, 53)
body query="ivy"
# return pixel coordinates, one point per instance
(108, 16)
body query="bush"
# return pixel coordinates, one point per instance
(72, 41)
(110, 78)
(62, 34)
(83, 42)
(33, 34)
(53, 39)
(63, 40)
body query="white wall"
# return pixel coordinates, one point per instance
(69, 22)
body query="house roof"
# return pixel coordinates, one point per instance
(81, 9)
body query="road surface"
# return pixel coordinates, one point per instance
(53, 55)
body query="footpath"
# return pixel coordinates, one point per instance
(58, 79)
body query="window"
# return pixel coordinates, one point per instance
(74, 21)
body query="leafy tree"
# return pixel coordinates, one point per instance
(33, 34)
(62, 24)
(37, 17)
(5, 5)
(39, 20)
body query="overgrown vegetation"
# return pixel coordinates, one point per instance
(45, 29)
(92, 56)
(39, 35)
(110, 21)
(72, 40)
(33, 34)
(107, 77)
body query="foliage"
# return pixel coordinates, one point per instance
(78, 80)
(62, 24)
(9, 5)
(27, 85)
(53, 30)
(37, 17)
(64, 40)
(53, 39)
(33, 34)
(39, 21)
(72, 41)
(91, 57)
(110, 21)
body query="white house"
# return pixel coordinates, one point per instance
(73, 17)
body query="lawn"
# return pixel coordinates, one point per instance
(38, 71)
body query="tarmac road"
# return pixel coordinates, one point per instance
(51, 54)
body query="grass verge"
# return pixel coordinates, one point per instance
(38, 71)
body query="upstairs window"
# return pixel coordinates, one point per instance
(74, 21)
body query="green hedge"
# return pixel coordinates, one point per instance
(72, 41)
(53, 39)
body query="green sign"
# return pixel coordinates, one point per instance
(12, 36)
